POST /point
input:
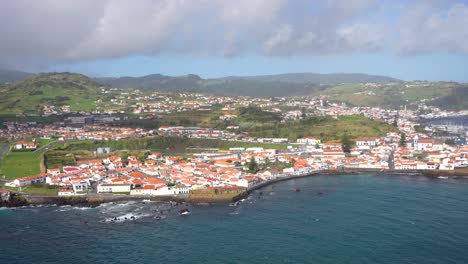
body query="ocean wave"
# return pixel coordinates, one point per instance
(126, 217)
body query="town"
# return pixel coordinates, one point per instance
(243, 160)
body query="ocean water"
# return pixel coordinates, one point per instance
(333, 219)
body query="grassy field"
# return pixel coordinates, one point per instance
(20, 164)
(36, 189)
(42, 141)
(162, 144)
(325, 128)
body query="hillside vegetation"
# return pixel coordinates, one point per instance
(446, 95)
(325, 128)
(80, 92)
(58, 89)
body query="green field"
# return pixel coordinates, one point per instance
(161, 144)
(324, 128)
(36, 189)
(20, 164)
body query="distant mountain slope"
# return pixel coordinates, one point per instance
(56, 89)
(258, 86)
(332, 78)
(457, 99)
(12, 76)
(193, 83)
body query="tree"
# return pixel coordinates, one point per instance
(347, 143)
(253, 166)
(303, 113)
(450, 141)
(402, 140)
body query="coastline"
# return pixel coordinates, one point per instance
(19, 200)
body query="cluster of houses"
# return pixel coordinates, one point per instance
(430, 154)
(173, 175)
(388, 152)
(157, 175)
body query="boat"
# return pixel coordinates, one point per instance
(184, 211)
(443, 177)
(297, 190)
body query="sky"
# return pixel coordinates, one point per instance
(406, 39)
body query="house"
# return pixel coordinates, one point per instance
(148, 189)
(308, 141)
(25, 181)
(25, 145)
(80, 186)
(4, 195)
(424, 144)
(251, 180)
(53, 171)
(134, 163)
(225, 163)
(155, 156)
(333, 146)
(171, 160)
(365, 143)
(181, 189)
(114, 188)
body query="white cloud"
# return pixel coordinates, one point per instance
(42, 32)
(434, 26)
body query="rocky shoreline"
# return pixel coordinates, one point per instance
(19, 200)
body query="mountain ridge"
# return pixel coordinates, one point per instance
(318, 78)
(12, 75)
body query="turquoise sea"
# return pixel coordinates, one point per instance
(333, 219)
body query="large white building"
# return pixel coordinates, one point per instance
(113, 188)
(366, 143)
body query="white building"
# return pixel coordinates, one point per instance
(365, 143)
(113, 188)
(308, 141)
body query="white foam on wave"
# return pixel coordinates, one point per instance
(125, 218)
(82, 208)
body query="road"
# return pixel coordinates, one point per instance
(46, 147)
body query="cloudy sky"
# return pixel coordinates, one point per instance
(420, 39)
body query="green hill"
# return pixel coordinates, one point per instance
(57, 89)
(80, 92)
(446, 95)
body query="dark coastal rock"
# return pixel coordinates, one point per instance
(15, 200)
